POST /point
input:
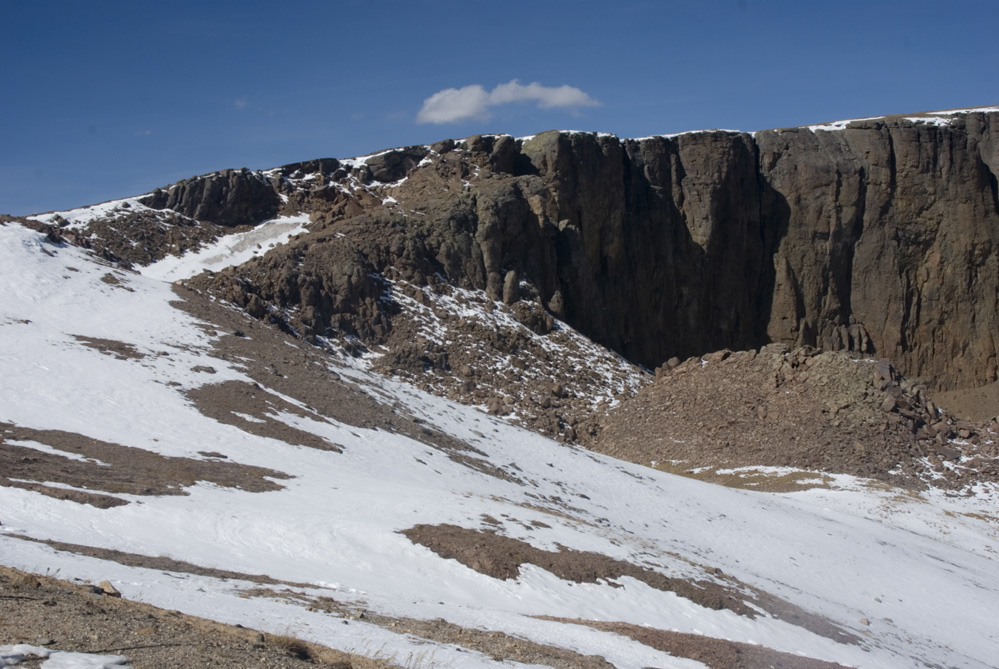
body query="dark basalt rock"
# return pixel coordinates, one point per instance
(229, 198)
(879, 238)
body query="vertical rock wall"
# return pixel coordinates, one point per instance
(877, 236)
(880, 237)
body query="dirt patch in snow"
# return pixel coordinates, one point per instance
(93, 467)
(501, 557)
(499, 646)
(715, 653)
(498, 556)
(79, 617)
(160, 562)
(118, 349)
(251, 408)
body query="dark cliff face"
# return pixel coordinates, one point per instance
(229, 198)
(878, 237)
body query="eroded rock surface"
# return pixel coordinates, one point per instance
(877, 237)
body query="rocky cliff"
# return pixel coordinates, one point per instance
(877, 236)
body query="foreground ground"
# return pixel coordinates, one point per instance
(205, 462)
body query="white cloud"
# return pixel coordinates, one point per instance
(454, 105)
(240, 102)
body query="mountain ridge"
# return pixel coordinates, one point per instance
(872, 235)
(253, 421)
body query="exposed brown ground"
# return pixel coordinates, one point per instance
(118, 349)
(498, 556)
(825, 412)
(103, 469)
(496, 645)
(63, 615)
(975, 404)
(715, 653)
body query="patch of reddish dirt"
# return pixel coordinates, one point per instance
(715, 653)
(104, 467)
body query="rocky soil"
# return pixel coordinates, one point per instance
(803, 408)
(91, 618)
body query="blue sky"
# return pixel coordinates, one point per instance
(102, 99)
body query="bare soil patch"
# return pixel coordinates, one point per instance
(715, 653)
(498, 556)
(501, 557)
(112, 347)
(819, 411)
(497, 645)
(103, 467)
(73, 616)
(750, 478)
(229, 402)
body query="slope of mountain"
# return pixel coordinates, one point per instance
(273, 442)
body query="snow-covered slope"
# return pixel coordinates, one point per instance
(863, 576)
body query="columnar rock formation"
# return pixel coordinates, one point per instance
(877, 236)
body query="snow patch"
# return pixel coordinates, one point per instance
(229, 250)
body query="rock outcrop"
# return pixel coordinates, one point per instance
(876, 236)
(229, 198)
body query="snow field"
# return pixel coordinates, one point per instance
(336, 523)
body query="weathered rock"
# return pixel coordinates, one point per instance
(879, 238)
(108, 589)
(228, 198)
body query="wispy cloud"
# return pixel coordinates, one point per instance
(240, 102)
(455, 105)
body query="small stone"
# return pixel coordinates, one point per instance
(948, 453)
(865, 621)
(45, 641)
(108, 589)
